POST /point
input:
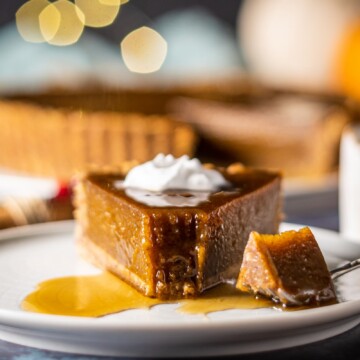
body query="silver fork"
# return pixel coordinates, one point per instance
(343, 269)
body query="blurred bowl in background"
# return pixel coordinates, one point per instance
(298, 136)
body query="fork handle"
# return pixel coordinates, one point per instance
(341, 270)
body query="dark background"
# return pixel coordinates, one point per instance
(137, 13)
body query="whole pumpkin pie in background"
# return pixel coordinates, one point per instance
(56, 142)
(60, 131)
(174, 243)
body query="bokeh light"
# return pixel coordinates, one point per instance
(27, 20)
(61, 23)
(114, 2)
(99, 13)
(111, 2)
(144, 50)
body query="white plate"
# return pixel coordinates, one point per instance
(46, 251)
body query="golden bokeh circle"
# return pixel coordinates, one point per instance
(99, 13)
(27, 20)
(61, 23)
(111, 2)
(144, 50)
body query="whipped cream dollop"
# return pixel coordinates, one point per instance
(165, 172)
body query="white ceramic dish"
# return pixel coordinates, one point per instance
(31, 254)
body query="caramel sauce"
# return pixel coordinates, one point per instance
(223, 297)
(90, 296)
(104, 294)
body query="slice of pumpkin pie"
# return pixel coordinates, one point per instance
(287, 267)
(174, 227)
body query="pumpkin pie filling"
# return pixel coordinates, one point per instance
(289, 268)
(183, 246)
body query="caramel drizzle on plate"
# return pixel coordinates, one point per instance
(104, 294)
